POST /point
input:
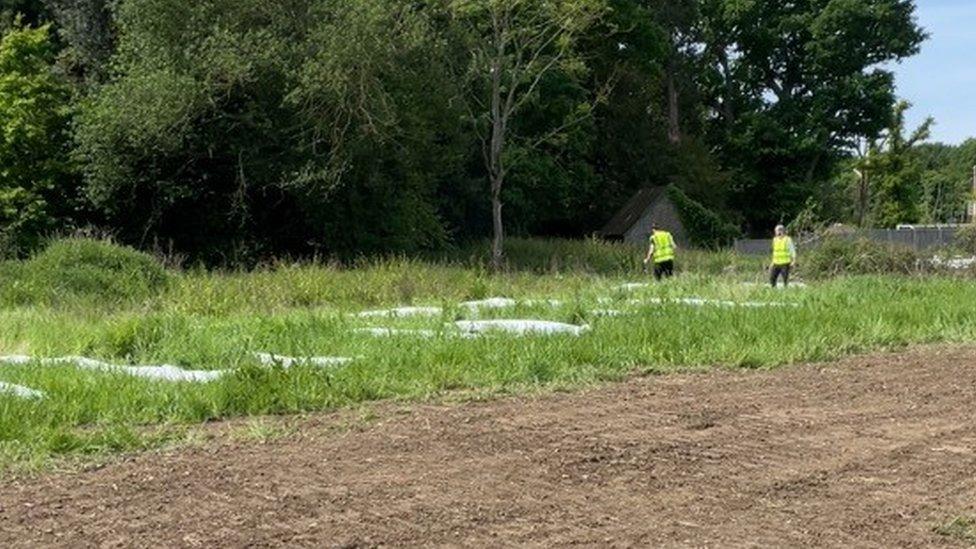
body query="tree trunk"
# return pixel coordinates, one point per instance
(497, 177)
(496, 165)
(674, 110)
(498, 236)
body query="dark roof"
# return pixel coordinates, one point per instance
(632, 211)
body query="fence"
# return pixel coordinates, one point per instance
(918, 238)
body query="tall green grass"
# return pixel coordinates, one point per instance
(549, 256)
(207, 320)
(80, 272)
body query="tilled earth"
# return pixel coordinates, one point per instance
(868, 452)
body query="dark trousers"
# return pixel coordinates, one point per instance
(780, 271)
(664, 269)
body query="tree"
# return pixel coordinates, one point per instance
(677, 18)
(890, 177)
(513, 46)
(947, 179)
(33, 12)
(87, 27)
(242, 129)
(793, 85)
(36, 177)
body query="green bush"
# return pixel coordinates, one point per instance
(705, 228)
(37, 182)
(966, 239)
(836, 256)
(79, 270)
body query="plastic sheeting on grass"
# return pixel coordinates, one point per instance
(402, 312)
(699, 302)
(954, 262)
(793, 285)
(609, 313)
(270, 359)
(395, 332)
(164, 372)
(520, 327)
(490, 303)
(544, 303)
(631, 286)
(20, 391)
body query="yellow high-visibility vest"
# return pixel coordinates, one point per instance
(663, 246)
(781, 251)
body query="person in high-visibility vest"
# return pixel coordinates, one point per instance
(662, 253)
(784, 257)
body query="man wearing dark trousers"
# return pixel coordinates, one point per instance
(784, 257)
(662, 253)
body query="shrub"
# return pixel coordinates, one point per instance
(965, 240)
(836, 256)
(705, 228)
(77, 269)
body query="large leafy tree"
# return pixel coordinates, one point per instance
(947, 177)
(86, 26)
(32, 12)
(36, 180)
(267, 126)
(793, 85)
(897, 195)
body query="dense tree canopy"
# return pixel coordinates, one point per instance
(37, 187)
(236, 130)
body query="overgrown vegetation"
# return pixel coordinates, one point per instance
(240, 131)
(965, 240)
(837, 256)
(591, 256)
(80, 272)
(216, 320)
(705, 228)
(37, 187)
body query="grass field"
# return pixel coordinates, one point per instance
(92, 299)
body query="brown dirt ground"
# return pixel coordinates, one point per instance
(866, 452)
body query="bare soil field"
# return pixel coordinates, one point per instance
(872, 451)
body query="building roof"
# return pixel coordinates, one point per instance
(632, 211)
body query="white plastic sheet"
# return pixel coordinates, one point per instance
(700, 302)
(610, 313)
(269, 359)
(794, 285)
(520, 327)
(630, 287)
(954, 262)
(544, 303)
(490, 303)
(402, 312)
(20, 391)
(395, 332)
(164, 372)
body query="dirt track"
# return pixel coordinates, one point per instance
(872, 451)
